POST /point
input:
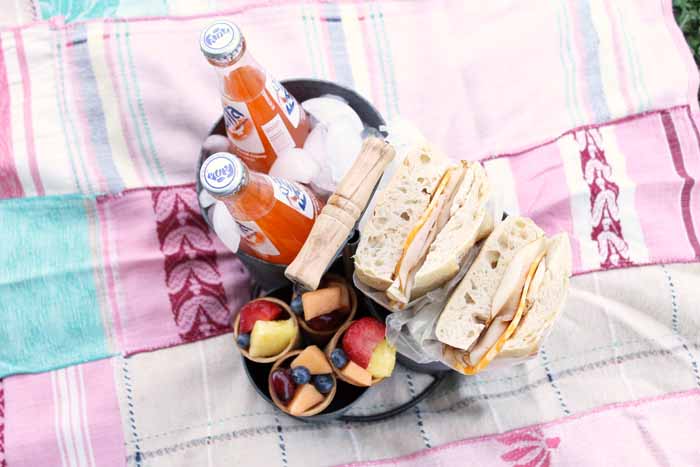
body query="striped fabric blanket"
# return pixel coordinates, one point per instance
(115, 298)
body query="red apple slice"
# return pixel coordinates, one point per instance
(257, 310)
(361, 338)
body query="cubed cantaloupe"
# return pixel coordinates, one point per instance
(314, 360)
(305, 397)
(322, 301)
(356, 374)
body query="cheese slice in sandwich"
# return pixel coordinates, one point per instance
(469, 307)
(502, 326)
(467, 222)
(545, 299)
(530, 294)
(423, 232)
(420, 232)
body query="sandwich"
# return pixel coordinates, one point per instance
(509, 297)
(424, 222)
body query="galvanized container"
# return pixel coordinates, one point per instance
(267, 275)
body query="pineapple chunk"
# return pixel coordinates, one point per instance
(383, 359)
(270, 337)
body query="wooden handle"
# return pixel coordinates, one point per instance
(339, 216)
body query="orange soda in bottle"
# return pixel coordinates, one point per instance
(274, 215)
(262, 118)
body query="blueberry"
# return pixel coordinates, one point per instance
(339, 358)
(296, 305)
(301, 375)
(243, 341)
(324, 383)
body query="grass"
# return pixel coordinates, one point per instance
(688, 17)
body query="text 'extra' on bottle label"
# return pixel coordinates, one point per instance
(241, 129)
(293, 196)
(256, 239)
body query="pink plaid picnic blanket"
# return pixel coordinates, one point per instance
(116, 298)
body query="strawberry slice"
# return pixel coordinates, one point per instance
(361, 338)
(258, 310)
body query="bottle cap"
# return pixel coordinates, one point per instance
(221, 41)
(223, 174)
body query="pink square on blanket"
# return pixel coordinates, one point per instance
(543, 194)
(688, 134)
(64, 417)
(657, 197)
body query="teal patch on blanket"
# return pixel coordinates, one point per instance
(81, 10)
(78, 10)
(49, 310)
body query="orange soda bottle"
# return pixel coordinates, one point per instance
(262, 118)
(274, 215)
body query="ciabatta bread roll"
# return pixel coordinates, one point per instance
(398, 207)
(469, 307)
(509, 297)
(424, 222)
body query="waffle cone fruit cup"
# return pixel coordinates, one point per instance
(315, 410)
(322, 337)
(294, 343)
(333, 344)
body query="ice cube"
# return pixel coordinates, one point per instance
(323, 184)
(327, 109)
(206, 199)
(315, 144)
(215, 143)
(294, 164)
(343, 144)
(225, 226)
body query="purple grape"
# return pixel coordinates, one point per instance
(283, 384)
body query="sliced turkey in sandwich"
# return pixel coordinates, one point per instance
(508, 299)
(427, 218)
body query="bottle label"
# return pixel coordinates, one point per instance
(278, 135)
(241, 129)
(286, 101)
(294, 196)
(256, 239)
